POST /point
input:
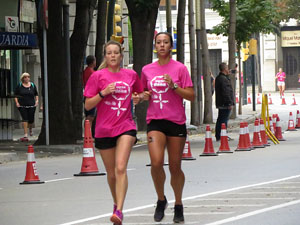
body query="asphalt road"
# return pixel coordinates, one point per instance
(243, 188)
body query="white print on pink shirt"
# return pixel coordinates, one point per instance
(159, 86)
(122, 91)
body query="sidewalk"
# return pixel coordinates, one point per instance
(16, 150)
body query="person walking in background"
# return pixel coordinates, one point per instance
(26, 101)
(91, 64)
(166, 83)
(111, 89)
(280, 76)
(224, 98)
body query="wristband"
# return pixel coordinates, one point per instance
(100, 94)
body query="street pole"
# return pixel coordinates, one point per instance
(253, 81)
(199, 67)
(110, 19)
(169, 16)
(67, 46)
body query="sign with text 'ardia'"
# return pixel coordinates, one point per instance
(17, 40)
(290, 38)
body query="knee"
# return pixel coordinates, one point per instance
(120, 170)
(111, 176)
(175, 170)
(157, 165)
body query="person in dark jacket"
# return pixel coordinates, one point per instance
(224, 97)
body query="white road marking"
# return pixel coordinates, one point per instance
(238, 199)
(223, 205)
(136, 146)
(186, 214)
(131, 169)
(1, 188)
(268, 192)
(49, 181)
(254, 213)
(184, 199)
(291, 187)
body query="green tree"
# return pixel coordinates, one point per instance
(65, 117)
(252, 17)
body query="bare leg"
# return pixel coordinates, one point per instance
(156, 145)
(108, 157)
(25, 127)
(283, 89)
(123, 150)
(175, 147)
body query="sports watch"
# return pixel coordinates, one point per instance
(175, 86)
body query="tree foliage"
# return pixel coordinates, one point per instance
(288, 9)
(252, 16)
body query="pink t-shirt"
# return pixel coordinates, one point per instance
(164, 102)
(114, 115)
(280, 76)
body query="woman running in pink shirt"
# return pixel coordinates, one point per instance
(166, 83)
(110, 90)
(280, 76)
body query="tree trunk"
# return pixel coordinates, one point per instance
(208, 115)
(143, 25)
(78, 43)
(231, 47)
(100, 33)
(61, 129)
(180, 30)
(195, 109)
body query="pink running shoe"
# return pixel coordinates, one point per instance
(117, 218)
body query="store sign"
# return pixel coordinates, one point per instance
(17, 40)
(290, 38)
(11, 24)
(214, 41)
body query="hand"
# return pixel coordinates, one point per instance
(169, 80)
(147, 95)
(36, 103)
(135, 98)
(109, 89)
(18, 104)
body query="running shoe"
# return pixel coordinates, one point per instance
(23, 139)
(160, 209)
(117, 218)
(178, 214)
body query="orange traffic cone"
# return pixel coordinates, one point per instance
(278, 131)
(294, 100)
(187, 154)
(283, 100)
(258, 102)
(247, 134)
(89, 165)
(208, 148)
(274, 121)
(224, 147)
(31, 172)
(298, 120)
(263, 134)
(270, 100)
(291, 123)
(236, 98)
(249, 99)
(243, 145)
(256, 136)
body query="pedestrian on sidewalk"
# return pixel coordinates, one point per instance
(111, 89)
(26, 101)
(91, 64)
(280, 76)
(224, 98)
(167, 82)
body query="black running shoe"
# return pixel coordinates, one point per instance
(160, 209)
(178, 214)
